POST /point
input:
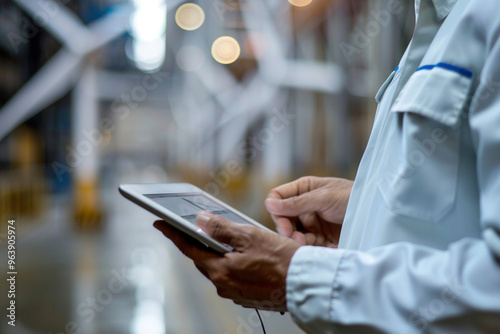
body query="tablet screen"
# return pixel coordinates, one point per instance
(188, 205)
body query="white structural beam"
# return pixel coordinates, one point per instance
(61, 72)
(86, 134)
(49, 84)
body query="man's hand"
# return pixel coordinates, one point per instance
(311, 209)
(253, 274)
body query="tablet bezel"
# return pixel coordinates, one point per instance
(136, 193)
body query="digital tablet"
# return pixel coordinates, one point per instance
(179, 204)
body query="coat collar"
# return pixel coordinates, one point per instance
(443, 7)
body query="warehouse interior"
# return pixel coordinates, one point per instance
(97, 93)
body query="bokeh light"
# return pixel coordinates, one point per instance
(300, 3)
(190, 58)
(189, 16)
(225, 50)
(148, 28)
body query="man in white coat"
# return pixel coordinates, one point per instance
(419, 247)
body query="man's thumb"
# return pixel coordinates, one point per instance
(293, 206)
(219, 228)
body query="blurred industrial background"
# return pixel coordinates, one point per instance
(234, 96)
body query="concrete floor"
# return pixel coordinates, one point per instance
(126, 279)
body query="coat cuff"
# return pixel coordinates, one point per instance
(311, 286)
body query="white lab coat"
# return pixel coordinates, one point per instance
(420, 246)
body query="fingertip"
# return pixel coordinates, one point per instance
(278, 229)
(273, 204)
(202, 219)
(299, 238)
(164, 228)
(284, 226)
(158, 224)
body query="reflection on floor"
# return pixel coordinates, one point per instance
(126, 279)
